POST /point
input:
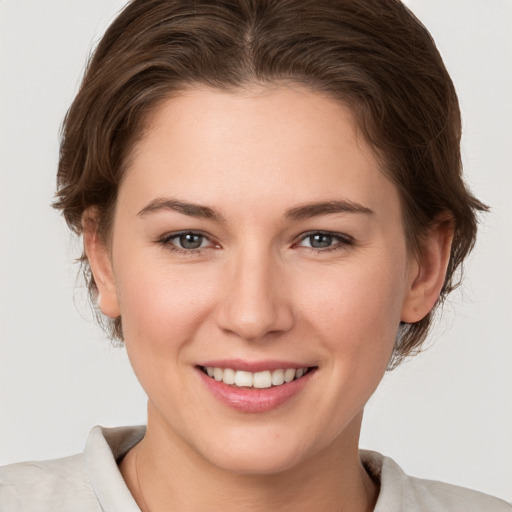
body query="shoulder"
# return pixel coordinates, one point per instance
(54, 485)
(401, 492)
(89, 482)
(440, 496)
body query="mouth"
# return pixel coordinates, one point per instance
(255, 386)
(258, 380)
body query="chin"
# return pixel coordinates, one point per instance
(256, 463)
(255, 455)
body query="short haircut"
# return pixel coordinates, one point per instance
(373, 56)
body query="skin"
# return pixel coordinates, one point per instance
(257, 290)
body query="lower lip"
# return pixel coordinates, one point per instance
(254, 399)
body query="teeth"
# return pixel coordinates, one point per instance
(289, 374)
(243, 379)
(229, 376)
(277, 377)
(260, 380)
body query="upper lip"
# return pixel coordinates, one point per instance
(253, 366)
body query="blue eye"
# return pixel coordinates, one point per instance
(190, 240)
(186, 241)
(320, 240)
(324, 240)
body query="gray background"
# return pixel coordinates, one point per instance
(445, 415)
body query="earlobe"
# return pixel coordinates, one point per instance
(100, 263)
(428, 272)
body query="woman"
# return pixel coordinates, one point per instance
(271, 204)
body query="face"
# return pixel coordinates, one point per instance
(255, 238)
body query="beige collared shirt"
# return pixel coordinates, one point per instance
(91, 482)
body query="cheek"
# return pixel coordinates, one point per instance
(161, 308)
(356, 310)
(161, 312)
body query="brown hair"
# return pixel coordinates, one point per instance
(372, 55)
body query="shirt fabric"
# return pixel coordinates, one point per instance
(92, 482)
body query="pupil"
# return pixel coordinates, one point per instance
(191, 241)
(320, 241)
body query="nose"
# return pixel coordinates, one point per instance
(255, 302)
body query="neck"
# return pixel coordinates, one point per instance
(163, 473)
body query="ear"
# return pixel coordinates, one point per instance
(100, 262)
(428, 271)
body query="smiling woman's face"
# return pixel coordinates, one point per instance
(255, 235)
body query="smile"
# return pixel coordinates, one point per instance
(260, 380)
(255, 386)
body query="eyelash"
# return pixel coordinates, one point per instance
(342, 242)
(167, 242)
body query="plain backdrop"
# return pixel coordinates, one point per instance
(445, 415)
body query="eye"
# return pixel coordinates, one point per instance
(321, 240)
(190, 240)
(186, 241)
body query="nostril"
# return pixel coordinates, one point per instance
(253, 323)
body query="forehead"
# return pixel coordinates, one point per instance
(262, 146)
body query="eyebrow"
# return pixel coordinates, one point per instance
(190, 209)
(301, 212)
(309, 210)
